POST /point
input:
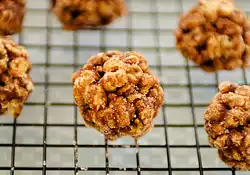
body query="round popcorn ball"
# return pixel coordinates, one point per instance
(117, 94)
(15, 82)
(227, 124)
(215, 35)
(11, 16)
(79, 14)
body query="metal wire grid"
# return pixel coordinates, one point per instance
(50, 137)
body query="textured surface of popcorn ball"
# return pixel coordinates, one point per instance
(15, 82)
(117, 94)
(80, 14)
(215, 35)
(11, 16)
(227, 122)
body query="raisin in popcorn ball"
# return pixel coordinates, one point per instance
(11, 16)
(15, 82)
(215, 35)
(80, 14)
(117, 94)
(227, 122)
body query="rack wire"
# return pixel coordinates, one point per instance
(50, 138)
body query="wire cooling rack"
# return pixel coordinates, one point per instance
(50, 138)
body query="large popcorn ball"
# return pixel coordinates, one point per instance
(227, 122)
(11, 16)
(79, 14)
(117, 94)
(215, 35)
(15, 82)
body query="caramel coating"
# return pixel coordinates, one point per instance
(215, 35)
(11, 16)
(15, 82)
(227, 124)
(117, 94)
(80, 14)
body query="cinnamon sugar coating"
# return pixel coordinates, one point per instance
(234, 159)
(15, 82)
(227, 124)
(80, 14)
(117, 94)
(11, 16)
(215, 35)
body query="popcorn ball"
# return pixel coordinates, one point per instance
(15, 82)
(227, 124)
(79, 14)
(117, 94)
(215, 35)
(11, 16)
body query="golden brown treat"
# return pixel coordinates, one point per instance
(234, 159)
(117, 94)
(227, 124)
(15, 82)
(80, 14)
(11, 16)
(215, 35)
